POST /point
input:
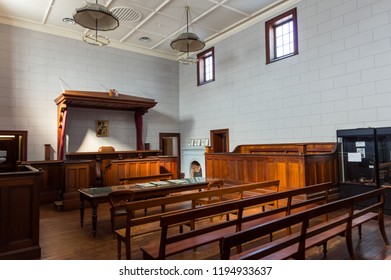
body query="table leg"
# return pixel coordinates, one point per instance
(94, 219)
(81, 212)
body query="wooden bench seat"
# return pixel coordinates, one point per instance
(294, 245)
(175, 204)
(205, 233)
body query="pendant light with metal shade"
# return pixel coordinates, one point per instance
(95, 17)
(187, 41)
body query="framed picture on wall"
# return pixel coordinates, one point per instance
(102, 128)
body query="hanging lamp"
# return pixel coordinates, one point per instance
(95, 17)
(187, 41)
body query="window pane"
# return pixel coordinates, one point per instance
(278, 42)
(286, 49)
(208, 68)
(279, 52)
(284, 41)
(278, 31)
(285, 29)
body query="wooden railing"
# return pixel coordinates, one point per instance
(295, 165)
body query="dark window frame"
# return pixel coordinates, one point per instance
(270, 27)
(201, 68)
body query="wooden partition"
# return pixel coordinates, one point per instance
(295, 165)
(169, 164)
(19, 214)
(52, 182)
(117, 169)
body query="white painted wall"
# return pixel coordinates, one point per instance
(30, 66)
(340, 79)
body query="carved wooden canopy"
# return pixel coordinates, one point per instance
(103, 100)
(111, 100)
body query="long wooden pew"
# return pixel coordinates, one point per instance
(177, 203)
(172, 243)
(346, 216)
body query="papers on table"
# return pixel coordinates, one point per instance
(145, 185)
(160, 183)
(177, 181)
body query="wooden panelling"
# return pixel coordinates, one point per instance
(118, 169)
(60, 177)
(52, 179)
(78, 175)
(19, 214)
(295, 165)
(169, 164)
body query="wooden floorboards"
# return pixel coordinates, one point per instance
(62, 238)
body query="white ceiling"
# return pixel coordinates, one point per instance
(161, 20)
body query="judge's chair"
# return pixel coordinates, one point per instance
(106, 149)
(118, 201)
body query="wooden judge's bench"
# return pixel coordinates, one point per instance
(296, 165)
(63, 178)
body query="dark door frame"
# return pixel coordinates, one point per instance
(177, 135)
(223, 145)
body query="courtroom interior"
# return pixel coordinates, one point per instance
(195, 130)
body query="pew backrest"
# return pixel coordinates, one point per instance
(347, 213)
(238, 207)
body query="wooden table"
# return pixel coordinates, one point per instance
(142, 191)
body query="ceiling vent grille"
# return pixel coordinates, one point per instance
(126, 14)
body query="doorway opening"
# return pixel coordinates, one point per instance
(219, 140)
(170, 145)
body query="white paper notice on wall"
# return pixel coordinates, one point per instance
(360, 144)
(3, 153)
(354, 157)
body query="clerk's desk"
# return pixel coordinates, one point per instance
(142, 191)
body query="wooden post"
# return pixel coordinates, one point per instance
(47, 151)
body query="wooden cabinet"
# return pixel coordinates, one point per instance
(19, 214)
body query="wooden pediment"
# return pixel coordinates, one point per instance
(103, 100)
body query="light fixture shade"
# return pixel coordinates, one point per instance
(187, 42)
(95, 17)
